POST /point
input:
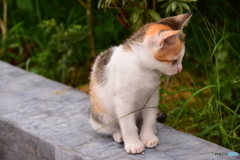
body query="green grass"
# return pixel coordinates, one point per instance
(213, 113)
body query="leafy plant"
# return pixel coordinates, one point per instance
(142, 11)
(62, 54)
(236, 80)
(176, 6)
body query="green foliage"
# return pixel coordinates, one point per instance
(177, 6)
(142, 11)
(236, 80)
(58, 47)
(154, 14)
(62, 52)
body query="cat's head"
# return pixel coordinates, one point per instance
(165, 41)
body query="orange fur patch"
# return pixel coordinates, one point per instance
(155, 28)
(168, 54)
(95, 101)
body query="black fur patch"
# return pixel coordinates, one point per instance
(182, 37)
(138, 36)
(171, 23)
(96, 117)
(103, 60)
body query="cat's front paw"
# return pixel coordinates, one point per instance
(150, 142)
(133, 148)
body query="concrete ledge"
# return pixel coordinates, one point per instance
(45, 120)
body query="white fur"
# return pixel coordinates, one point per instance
(131, 79)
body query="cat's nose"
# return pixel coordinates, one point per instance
(179, 69)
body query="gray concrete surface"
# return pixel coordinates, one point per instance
(41, 119)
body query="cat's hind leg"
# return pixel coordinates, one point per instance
(106, 126)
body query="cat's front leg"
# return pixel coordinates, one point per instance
(148, 129)
(129, 130)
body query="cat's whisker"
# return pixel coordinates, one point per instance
(166, 78)
(188, 44)
(167, 81)
(174, 84)
(189, 40)
(162, 79)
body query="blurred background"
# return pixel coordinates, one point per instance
(60, 39)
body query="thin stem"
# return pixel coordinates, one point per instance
(88, 7)
(4, 21)
(144, 107)
(146, 8)
(154, 5)
(3, 25)
(119, 10)
(83, 4)
(123, 117)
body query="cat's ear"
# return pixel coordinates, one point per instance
(177, 22)
(183, 19)
(167, 37)
(163, 38)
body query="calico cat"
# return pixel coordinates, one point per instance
(124, 77)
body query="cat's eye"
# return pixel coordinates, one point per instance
(174, 62)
